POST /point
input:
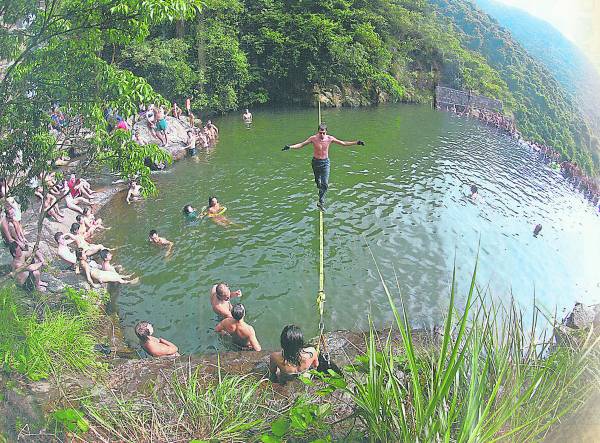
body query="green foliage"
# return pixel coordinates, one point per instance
(490, 377)
(165, 64)
(543, 109)
(71, 420)
(227, 410)
(302, 420)
(39, 347)
(52, 50)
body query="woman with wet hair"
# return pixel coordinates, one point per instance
(295, 357)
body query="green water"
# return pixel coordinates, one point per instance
(403, 195)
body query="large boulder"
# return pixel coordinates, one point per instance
(176, 135)
(582, 317)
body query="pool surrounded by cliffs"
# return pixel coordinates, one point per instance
(403, 195)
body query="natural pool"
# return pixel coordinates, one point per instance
(403, 194)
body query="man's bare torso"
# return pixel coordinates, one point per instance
(321, 146)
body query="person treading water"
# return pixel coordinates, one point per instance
(320, 161)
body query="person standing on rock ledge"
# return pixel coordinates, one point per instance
(320, 162)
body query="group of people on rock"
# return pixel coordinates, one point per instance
(491, 118)
(569, 169)
(198, 135)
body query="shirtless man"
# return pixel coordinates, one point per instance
(247, 118)
(241, 332)
(156, 347)
(161, 126)
(154, 238)
(220, 294)
(48, 204)
(176, 110)
(77, 235)
(10, 235)
(320, 161)
(32, 270)
(190, 145)
(63, 250)
(134, 193)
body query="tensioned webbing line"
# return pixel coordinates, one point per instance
(321, 293)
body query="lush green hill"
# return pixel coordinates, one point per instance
(561, 57)
(239, 53)
(544, 110)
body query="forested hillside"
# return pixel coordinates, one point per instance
(544, 110)
(561, 57)
(239, 53)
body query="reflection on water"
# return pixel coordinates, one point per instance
(404, 194)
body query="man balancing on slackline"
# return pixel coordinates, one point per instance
(320, 161)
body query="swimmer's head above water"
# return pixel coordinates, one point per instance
(473, 189)
(188, 209)
(238, 312)
(144, 330)
(223, 292)
(212, 201)
(152, 234)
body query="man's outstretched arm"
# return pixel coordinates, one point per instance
(297, 145)
(343, 143)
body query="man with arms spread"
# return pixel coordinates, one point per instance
(220, 294)
(242, 333)
(320, 161)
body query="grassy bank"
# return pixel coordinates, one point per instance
(486, 376)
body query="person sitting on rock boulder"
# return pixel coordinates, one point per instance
(27, 273)
(77, 234)
(10, 221)
(94, 274)
(156, 347)
(63, 250)
(48, 204)
(241, 332)
(295, 357)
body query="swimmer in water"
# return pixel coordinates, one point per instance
(320, 162)
(241, 332)
(220, 294)
(134, 193)
(215, 212)
(537, 229)
(156, 347)
(247, 118)
(474, 193)
(190, 212)
(154, 238)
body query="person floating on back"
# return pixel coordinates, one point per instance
(295, 357)
(320, 161)
(154, 238)
(241, 332)
(156, 347)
